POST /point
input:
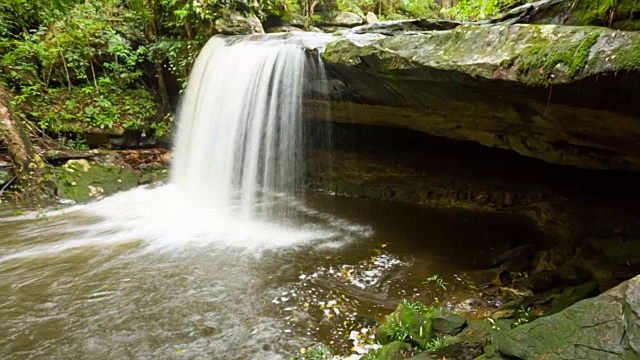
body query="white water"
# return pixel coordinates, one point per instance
(239, 146)
(238, 163)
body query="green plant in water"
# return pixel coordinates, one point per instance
(420, 308)
(523, 315)
(316, 352)
(436, 343)
(438, 281)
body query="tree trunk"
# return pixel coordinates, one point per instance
(29, 168)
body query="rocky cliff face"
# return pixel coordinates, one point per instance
(564, 94)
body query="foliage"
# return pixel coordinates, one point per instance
(60, 110)
(477, 9)
(437, 280)
(317, 352)
(391, 9)
(83, 69)
(420, 308)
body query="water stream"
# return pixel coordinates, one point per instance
(229, 261)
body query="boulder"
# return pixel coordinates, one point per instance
(396, 350)
(405, 324)
(337, 18)
(371, 18)
(236, 23)
(562, 94)
(572, 295)
(604, 327)
(456, 351)
(448, 323)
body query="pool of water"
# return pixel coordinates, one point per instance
(146, 274)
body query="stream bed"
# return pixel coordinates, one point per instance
(145, 274)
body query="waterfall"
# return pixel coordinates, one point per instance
(240, 136)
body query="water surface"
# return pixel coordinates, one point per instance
(143, 274)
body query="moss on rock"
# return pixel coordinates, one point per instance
(509, 52)
(81, 180)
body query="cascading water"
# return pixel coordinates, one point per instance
(240, 139)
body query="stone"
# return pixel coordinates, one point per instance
(396, 350)
(405, 27)
(448, 323)
(491, 85)
(604, 327)
(456, 351)
(371, 18)
(283, 28)
(416, 327)
(236, 23)
(82, 180)
(337, 18)
(476, 331)
(572, 295)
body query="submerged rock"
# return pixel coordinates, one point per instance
(604, 327)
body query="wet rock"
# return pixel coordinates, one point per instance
(82, 180)
(457, 351)
(541, 280)
(448, 323)
(572, 295)
(476, 331)
(417, 328)
(515, 260)
(236, 23)
(396, 350)
(604, 327)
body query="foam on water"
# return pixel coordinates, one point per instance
(238, 164)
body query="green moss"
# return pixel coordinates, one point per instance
(630, 58)
(537, 61)
(81, 180)
(604, 12)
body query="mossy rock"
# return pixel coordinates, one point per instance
(604, 327)
(448, 323)
(572, 295)
(396, 350)
(530, 54)
(405, 324)
(81, 180)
